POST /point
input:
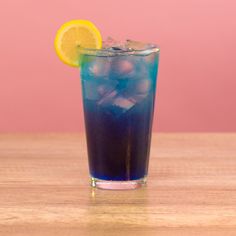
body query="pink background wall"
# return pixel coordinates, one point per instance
(197, 79)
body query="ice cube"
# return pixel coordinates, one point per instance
(108, 98)
(137, 98)
(109, 43)
(137, 90)
(146, 48)
(122, 67)
(116, 104)
(116, 48)
(96, 89)
(138, 86)
(143, 86)
(135, 45)
(106, 88)
(98, 68)
(123, 103)
(129, 67)
(89, 90)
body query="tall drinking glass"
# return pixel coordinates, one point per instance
(118, 89)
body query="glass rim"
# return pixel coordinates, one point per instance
(152, 48)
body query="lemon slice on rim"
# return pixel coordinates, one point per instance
(75, 34)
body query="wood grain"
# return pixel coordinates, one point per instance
(191, 188)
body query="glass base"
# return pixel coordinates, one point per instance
(117, 185)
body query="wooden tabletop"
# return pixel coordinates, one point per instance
(44, 188)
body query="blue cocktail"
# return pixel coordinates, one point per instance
(119, 87)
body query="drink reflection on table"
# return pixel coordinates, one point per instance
(109, 209)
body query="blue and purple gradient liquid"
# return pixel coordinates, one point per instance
(118, 98)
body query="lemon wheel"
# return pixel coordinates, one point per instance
(75, 34)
